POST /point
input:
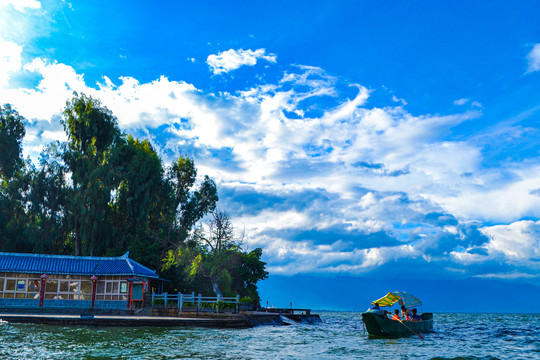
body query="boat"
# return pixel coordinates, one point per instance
(379, 325)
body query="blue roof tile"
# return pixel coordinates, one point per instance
(73, 265)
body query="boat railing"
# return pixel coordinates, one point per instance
(195, 302)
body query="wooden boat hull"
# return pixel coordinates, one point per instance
(379, 326)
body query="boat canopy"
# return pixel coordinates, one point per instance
(401, 297)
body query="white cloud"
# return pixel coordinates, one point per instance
(289, 258)
(467, 258)
(269, 219)
(10, 60)
(21, 5)
(487, 197)
(518, 241)
(49, 98)
(20, 22)
(534, 59)
(398, 100)
(461, 101)
(476, 104)
(371, 169)
(253, 125)
(509, 275)
(367, 200)
(50, 136)
(381, 255)
(233, 59)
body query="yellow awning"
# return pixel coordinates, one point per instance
(387, 300)
(404, 299)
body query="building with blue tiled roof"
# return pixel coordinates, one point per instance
(37, 280)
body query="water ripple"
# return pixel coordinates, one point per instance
(340, 336)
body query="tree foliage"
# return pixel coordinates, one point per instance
(103, 193)
(15, 225)
(12, 132)
(213, 259)
(92, 133)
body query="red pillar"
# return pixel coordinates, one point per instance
(42, 289)
(130, 292)
(94, 289)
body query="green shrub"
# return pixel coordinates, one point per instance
(223, 305)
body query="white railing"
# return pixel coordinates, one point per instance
(198, 301)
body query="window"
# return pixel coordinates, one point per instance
(33, 285)
(10, 285)
(51, 289)
(15, 288)
(64, 287)
(70, 289)
(86, 287)
(33, 289)
(112, 288)
(19, 286)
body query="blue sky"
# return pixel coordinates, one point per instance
(351, 140)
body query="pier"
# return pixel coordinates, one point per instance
(206, 320)
(162, 310)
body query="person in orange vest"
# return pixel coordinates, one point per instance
(396, 315)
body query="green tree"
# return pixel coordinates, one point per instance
(47, 202)
(251, 270)
(141, 203)
(12, 131)
(92, 132)
(191, 204)
(121, 199)
(103, 193)
(15, 225)
(213, 259)
(14, 183)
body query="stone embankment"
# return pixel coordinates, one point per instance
(184, 319)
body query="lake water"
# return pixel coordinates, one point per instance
(340, 336)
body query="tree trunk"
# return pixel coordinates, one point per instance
(215, 287)
(77, 242)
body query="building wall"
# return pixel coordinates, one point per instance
(22, 290)
(63, 304)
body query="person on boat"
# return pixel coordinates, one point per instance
(386, 313)
(375, 307)
(405, 313)
(415, 316)
(396, 315)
